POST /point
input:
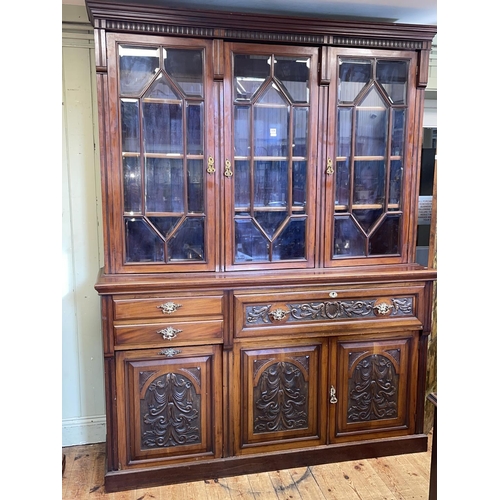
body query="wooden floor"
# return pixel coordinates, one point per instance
(401, 477)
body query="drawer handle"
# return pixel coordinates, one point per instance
(168, 307)
(169, 353)
(169, 333)
(383, 308)
(333, 396)
(333, 294)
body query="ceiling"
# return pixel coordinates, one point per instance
(400, 11)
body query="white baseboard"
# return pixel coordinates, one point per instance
(87, 430)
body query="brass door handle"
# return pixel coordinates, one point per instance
(227, 170)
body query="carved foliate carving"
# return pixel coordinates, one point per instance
(281, 398)
(170, 412)
(373, 390)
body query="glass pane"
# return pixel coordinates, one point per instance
(367, 218)
(299, 186)
(369, 182)
(395, 182)
(241, 131)
(141, 242)
(353, 76)
(270, 221)
(137, 67)
(161, 89)
(164, 185)
(162, 128)
(130, 125)
(393, 76)
(271, 184)
(249, 74)
(291, 242)
(185, 66)
(398, 131)
(300, 122)
(251, 245)
(294, 75)
(371, 133)
(132, 185)
(164, 225)
(187, 241)
(196, 200)
(349, 240)
(385, 240)
(344, 131)
(241, 184)
(343, 183)
(194, 118)
(271, 131)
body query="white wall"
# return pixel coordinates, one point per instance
(82, 355)
(83, 404)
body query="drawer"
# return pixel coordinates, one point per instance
(131, 308)
(326, 309)
(164, 334)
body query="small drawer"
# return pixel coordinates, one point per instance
(130, 308)
(167, 333)
(325, 309)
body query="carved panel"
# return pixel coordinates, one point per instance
(373, 390)
(281, 398)
(170, 412)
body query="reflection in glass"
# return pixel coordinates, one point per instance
(270, 221)
(367, 218)
(241, 130)
(188, 241)
(185, 66)
(250, 71)
(299, 184)
(132, 185)
(395, 182)
(369, 182)
(251, 245)
(194, 119)
(271, 184)
(161, 89)
(393, 75)
(142, 243)
(137, 66)
(300, 121)
(241, 184)
(290, 244)
(371, 127)
(343, 183)
(344, 131)
(385, 239)
(164, 185)
(164, 225)
(353, 76)
(348, 238)
(162, 128)
(294, 75)
(130, 125)
(398, 130)
(271, 130)
(195, 186)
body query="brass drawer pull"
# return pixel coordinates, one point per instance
(333, 396)
(169, 333)
(169, 353)
(169, 307)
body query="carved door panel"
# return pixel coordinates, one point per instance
(169, 405)
(374, 394)
(281, 402)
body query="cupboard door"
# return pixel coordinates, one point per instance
(169, 405)
(371, 185)
(270, 156)
(162, 183)
(375, 390)
(281, 402)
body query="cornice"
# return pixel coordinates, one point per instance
(151, 19)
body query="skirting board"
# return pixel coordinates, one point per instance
(88, 430)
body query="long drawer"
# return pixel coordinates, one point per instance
(327, 309)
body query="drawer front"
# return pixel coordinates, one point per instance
(326, 309)
(165, 334)
(167, 307)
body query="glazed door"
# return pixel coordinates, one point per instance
(281, 399)
(371, 174)
(169, 405)
(162, 185)
(270, 98)
(372, 392)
